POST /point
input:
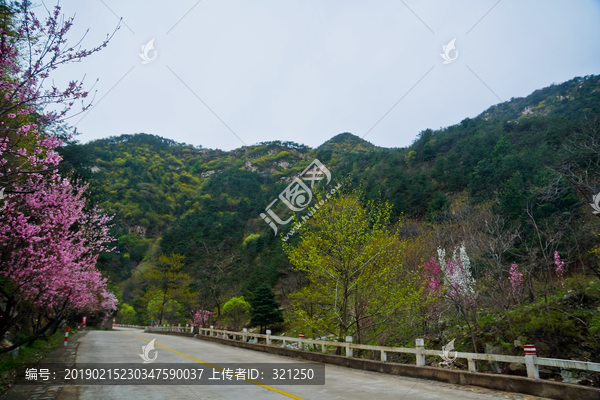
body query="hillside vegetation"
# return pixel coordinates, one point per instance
(509, 189)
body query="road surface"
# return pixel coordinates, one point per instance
(124, 346)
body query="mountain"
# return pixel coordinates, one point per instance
(347, 143)
(203, 203)
(570, 99)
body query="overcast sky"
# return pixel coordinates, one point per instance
(305, 71)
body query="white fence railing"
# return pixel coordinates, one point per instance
(171, 328)
(531, 361)
(128, 326)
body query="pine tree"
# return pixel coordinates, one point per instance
(265, 309)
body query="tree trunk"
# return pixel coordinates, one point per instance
(530, 288)
(162, 308)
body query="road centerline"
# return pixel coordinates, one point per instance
(220, 369)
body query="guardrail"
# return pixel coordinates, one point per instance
(531, 360)
(129, 326)
(163, 328)
(171, 328)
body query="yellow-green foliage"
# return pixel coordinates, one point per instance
(410, 158)
(168, 286)
(216, 164)
(236, 313)
(250, 238)
(126, 314)
(271, 158)
(352, 258)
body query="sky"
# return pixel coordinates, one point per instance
(224, 74)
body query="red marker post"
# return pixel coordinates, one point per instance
(84, 320)
(530, 356)
(78, 327)
(66, 335)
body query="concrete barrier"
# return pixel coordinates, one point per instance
(517, 384)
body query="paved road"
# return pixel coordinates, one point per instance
(124, 345)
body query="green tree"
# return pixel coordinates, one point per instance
(265, 309)
(126, 314)
(410, 158)
(168, 282)
(167, 310)
(439, 202)
(236, 313)
(351, 255)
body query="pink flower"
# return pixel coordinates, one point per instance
(200, 318)
(560, 268)
(433, 276)
(516, 280)
(51, 245)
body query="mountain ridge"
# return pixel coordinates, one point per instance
(187, 195)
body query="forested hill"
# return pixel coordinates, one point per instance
(570, 99)
(205, 204)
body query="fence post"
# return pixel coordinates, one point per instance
(383, 356)
(472, 365)
(268, 337)
(324, 349)
(244, 335)
(420, 355)
(300, 341)
(348, 348)
(530, 356)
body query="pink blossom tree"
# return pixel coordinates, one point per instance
(433, 277)
(49, 242)
(560, 268)
(29, 51)
(516, 281)
(458, 288)
(49, 245)
(456, 272)
(200, 318)
(434, 289)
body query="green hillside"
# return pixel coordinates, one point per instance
(205, 204)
